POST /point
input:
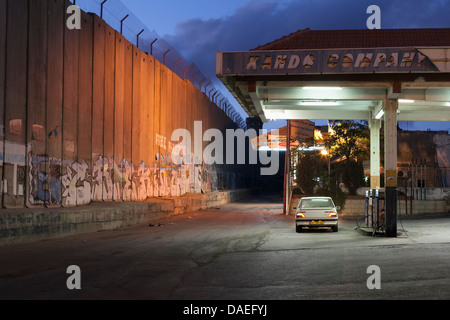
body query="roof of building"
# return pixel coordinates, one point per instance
(352, 39)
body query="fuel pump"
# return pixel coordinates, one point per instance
(368, 207)
(378, 216)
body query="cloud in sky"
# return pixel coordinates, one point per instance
(261, 21)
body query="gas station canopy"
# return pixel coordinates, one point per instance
(343, 75)
(384, 75)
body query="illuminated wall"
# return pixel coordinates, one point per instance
(87, 116)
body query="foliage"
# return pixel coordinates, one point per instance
(331, 189)
(349, 139)
(310, 167)
(352, 174)
(349, 142)
(348, 145)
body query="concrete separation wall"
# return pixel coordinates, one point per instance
(87, 116)
(28, 225)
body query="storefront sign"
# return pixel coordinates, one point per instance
(382, 60)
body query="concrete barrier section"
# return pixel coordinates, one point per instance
(88, 119)
(95, 123)
(29, 225)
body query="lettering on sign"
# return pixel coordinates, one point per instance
(383, 60)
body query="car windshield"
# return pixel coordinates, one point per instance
(316, 203)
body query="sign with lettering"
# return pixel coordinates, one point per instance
(381, 60)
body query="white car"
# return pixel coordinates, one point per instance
(316, 212)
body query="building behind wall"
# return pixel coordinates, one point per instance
(424, 158)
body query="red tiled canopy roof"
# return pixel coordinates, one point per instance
(352, 39)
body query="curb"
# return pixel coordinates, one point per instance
(35, 224)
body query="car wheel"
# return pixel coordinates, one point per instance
(335, 228)
(298, 229)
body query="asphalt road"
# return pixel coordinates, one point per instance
(242, 251)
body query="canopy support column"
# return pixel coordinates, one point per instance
(374, 125)
(390, 165)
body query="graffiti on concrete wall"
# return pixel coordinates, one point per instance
(76, 186)
(13, 163)
(55, 182)
(44, 177)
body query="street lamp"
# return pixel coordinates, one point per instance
(324, 152)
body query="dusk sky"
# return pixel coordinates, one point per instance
(200, 28)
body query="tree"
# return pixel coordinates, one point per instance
(311, 168)
(331, 189)
(349, 142)
(349, 139)
(352, 174)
